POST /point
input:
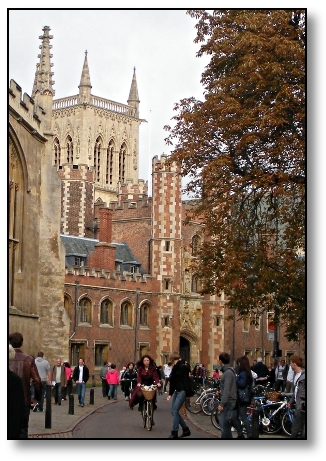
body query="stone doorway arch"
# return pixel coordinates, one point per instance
(188, 347)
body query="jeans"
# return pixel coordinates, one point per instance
(280, 385)
(225, 419)
(43, 392)
(113, 392)
(104, 388)
(24, 429)
(58, 393)
(178, 399)
(240, 414)
(81, 391)
(296, 424)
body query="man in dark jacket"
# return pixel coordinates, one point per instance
(262, 372)
(81, 376)
(228, 395)
(24, 366)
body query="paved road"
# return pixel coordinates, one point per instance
(117, 421)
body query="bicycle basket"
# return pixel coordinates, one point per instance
(274, 396)
(148, 394)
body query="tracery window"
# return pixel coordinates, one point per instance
(84, 311)
(126, 314)
(57, 152)
(70, 150)
(97, 159)
(122, 162)
(143, 315)
(109, 163)
(106, 312)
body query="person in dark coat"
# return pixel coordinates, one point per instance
(15, 402)
(128, 379)
(179, 384)
(262, 372)
(24, 366)
(146, 375)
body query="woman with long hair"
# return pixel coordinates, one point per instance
(128, 379)
(244, 380)
(146, 375)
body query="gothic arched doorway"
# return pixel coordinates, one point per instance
(184, 348)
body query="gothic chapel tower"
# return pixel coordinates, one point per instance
(95, 150)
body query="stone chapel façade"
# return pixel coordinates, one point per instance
(98, 267)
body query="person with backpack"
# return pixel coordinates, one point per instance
(298, 398)
(180, 385)
(244, 382)
(228, 395)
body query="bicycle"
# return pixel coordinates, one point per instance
(194, 404)
(271, 413)
(147, 412)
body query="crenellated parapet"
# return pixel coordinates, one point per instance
(26, 111)
(83, 271)
(162, 164)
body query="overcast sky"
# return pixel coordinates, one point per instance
(158, 43)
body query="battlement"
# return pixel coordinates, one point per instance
(106, 274)
(162, 164)
(25, 106)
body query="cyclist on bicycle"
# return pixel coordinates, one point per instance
(146, 375)
(128, 379)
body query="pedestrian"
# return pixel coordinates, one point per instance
(129, 379)
(44, 370)
(216, 374)
(243, 381)
(197, 374)
(15, 402)
(113, 379)
(298, 397)
(281, 372)
(81, 376)
(262, 372)
(179, 384)
(58, 381)
(103, 372)
(167, 371)
(24, 366)
(67, 390)
(228, 395)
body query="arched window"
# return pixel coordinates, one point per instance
(195, 244)
(122, 162)
(84, 311)
(97, 159)
(106, 312)
(194, 283)
(57, 152)
(109, 163)
(68, 305)
(70, 150)
(143, 315)
(126, 314)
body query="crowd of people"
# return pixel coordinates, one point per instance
(29, 377)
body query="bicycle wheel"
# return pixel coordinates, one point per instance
(193, 404)
(209, 404)
(274, 425)
(149, 422)
(286, 422)
(215, 419)
(144, 412)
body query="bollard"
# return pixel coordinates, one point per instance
(255, 423)
(48, 407)
(71, 405)
(91, 397)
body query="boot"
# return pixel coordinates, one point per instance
(185, 432)
(174, 435)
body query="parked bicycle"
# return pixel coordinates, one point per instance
(194, 404)
(147, 412)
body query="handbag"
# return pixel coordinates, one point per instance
(244, 395)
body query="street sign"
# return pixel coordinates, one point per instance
(270, 336)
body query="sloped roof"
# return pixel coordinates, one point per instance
(81, 246)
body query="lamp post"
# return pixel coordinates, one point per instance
(136, 324)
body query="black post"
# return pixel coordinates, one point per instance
(71, 405)
(91, 397)
(255, 423)
(48, 407)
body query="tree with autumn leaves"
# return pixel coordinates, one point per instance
(243, 150)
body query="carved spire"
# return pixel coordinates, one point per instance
(85, 82)
(43, 76)
(133, 99)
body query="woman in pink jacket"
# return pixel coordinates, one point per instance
(113, 379)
